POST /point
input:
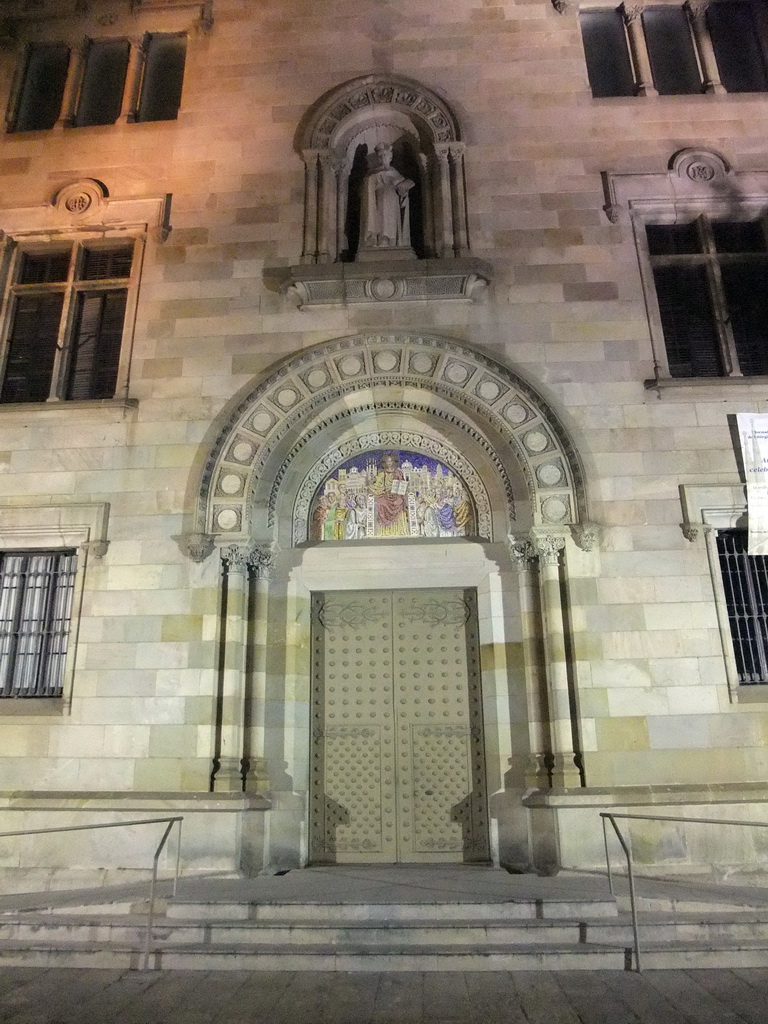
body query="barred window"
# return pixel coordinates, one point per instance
(36, 590)
(745, 582)
(67, 309)
(710, 278)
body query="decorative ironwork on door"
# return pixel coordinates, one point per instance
(397, 761)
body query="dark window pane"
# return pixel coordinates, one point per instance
(605, 47)
(35, 608)
(101, 95)
(100, 264)
(44, 268)
(163, 78)
(670, 47)
(746, 295)
(745, 583)
(96, 341)
(737, 49)
(688, 321)
(42, 89)
(673, 239)
(32, 348)
(738, 236)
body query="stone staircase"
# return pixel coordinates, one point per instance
(511, 923)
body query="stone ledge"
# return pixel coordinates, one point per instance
(644, 796)
(392, 280)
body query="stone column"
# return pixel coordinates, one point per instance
(255, 774)
(228, 777)
(342, 185)
(537, 772)
(444, 214)
(459, 197)
(129, 110)
(311, 184)
(633, 19)
(326, 213)
(697, 15)
(548, 545)
(72, 86)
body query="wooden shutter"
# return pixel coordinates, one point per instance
(605, 48)
(42, 88)
(101, 94)
(670, 48)
(32, 348)
(96, 342)
(163, 77)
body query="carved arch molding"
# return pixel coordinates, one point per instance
(476, 392)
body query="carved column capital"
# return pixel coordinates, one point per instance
(632, 12)
(262, 563)
(521, 551)
(197, 546)
(310, 156)
(237, 558)
(586, 535)
(692, 531)
(95, 548)
(442, 150)
(696, 9)
(547, 546)
(457, 150)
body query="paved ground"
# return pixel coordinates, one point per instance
(33, 996)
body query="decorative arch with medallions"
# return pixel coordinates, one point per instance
(375, 390)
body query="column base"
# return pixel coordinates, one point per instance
(229, 776)
(565, 774)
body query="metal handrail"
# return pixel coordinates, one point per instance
(169, 822)
(607, 815)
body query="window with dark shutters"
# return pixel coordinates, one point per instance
(165, 56)
(711, 280)
(42, 87)
(101, 92)
(689, 50)
(68, 313)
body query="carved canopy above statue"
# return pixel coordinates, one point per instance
(342, 139)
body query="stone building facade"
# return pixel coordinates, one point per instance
(366, 429)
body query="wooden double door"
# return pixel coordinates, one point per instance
(397, 760)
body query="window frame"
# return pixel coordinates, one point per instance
(82, 527)
(696, 182)
(78, 241)
(706, 511)
(639, 54)
(703, 211)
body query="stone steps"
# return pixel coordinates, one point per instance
(356, 937)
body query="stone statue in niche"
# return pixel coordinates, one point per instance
(384, 209)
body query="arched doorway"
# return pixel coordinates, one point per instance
(455, 417)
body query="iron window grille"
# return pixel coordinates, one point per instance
(745, 583)
(36, 589)
(66, 311)
(711, 280)
(678, 49)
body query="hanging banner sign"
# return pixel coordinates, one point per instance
(753, 435)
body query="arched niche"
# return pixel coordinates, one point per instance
(337, 140)
(379, 390)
